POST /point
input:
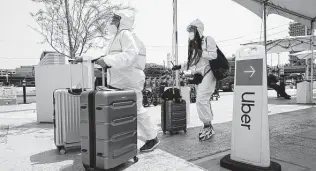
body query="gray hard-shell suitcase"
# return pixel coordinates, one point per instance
(173, 116)
(66, 119)
(66, 115)
(108, 128)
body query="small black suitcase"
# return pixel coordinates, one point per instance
(173, 116)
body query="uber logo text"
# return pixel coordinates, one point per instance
(246, 105)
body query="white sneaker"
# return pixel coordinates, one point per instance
(206, 133)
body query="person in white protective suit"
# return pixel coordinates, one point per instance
(202, 49)
(126, 55)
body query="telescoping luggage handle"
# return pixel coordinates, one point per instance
(80, 60)
(177, 86)
(82, 86)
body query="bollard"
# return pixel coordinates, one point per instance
(24, 91)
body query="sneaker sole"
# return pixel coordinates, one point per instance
(152, 149)
(207, 138)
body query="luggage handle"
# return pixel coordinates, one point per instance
(124, 103)
(120, 137)
(176, 119)
(123, 121)
(92, 61)
(84, 150)
(82, 77)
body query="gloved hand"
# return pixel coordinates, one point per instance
(102, 63)
(176, 67)
(199, 52)
(76, 60)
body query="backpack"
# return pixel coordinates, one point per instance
(219, 66)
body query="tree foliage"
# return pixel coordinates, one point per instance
(73, 27)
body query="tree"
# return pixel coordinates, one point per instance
(73, 27)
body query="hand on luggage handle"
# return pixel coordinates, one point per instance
(80, 60)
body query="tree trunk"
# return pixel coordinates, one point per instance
(71, 53)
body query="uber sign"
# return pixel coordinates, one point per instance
(250, 129)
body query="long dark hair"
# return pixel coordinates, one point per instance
(194, 46)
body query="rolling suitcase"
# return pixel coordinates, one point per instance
(66, 117)
(108, 128)
(173, 112)
(173, 116)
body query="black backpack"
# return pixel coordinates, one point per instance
(219, 66)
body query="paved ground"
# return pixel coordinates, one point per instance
(27, 145)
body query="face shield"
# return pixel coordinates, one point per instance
(113, 24)
(191, 29)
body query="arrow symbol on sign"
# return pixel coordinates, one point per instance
(252, 71)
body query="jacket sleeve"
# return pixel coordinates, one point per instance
(127, 56)
(210, 51)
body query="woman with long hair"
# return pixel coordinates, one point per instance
(200, 51)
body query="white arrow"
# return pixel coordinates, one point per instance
(252, 71)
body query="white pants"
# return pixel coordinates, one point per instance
(203, 95)
(144, 125)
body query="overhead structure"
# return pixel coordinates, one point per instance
(304, 54)
(302, 11)
(288, 44)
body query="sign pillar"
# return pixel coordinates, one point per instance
(250, 149)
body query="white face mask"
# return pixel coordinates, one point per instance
(112, 29)
(191, 35)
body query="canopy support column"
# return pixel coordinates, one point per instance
(265, 27)
(312, 59)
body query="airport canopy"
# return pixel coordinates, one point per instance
(304, 54)
(302, 11)
(288, 44)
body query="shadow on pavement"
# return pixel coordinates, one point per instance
(282, 101)
(29, 128)
(53, 156)
(77, 165)
(188, 147)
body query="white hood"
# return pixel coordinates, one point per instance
(200, 26)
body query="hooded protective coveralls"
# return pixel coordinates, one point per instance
(206, 88)
(126, 55)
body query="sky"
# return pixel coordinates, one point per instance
(226, 21)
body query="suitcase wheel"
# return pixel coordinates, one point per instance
(185, 131)
(135, 158)
(216, 98)
(62, 151)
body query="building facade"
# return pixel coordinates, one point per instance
(51, 58)
(297, 29)
(4, 72)
(169, 60)
(25, 71)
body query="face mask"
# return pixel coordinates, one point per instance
(112, 29)
(191, 35)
